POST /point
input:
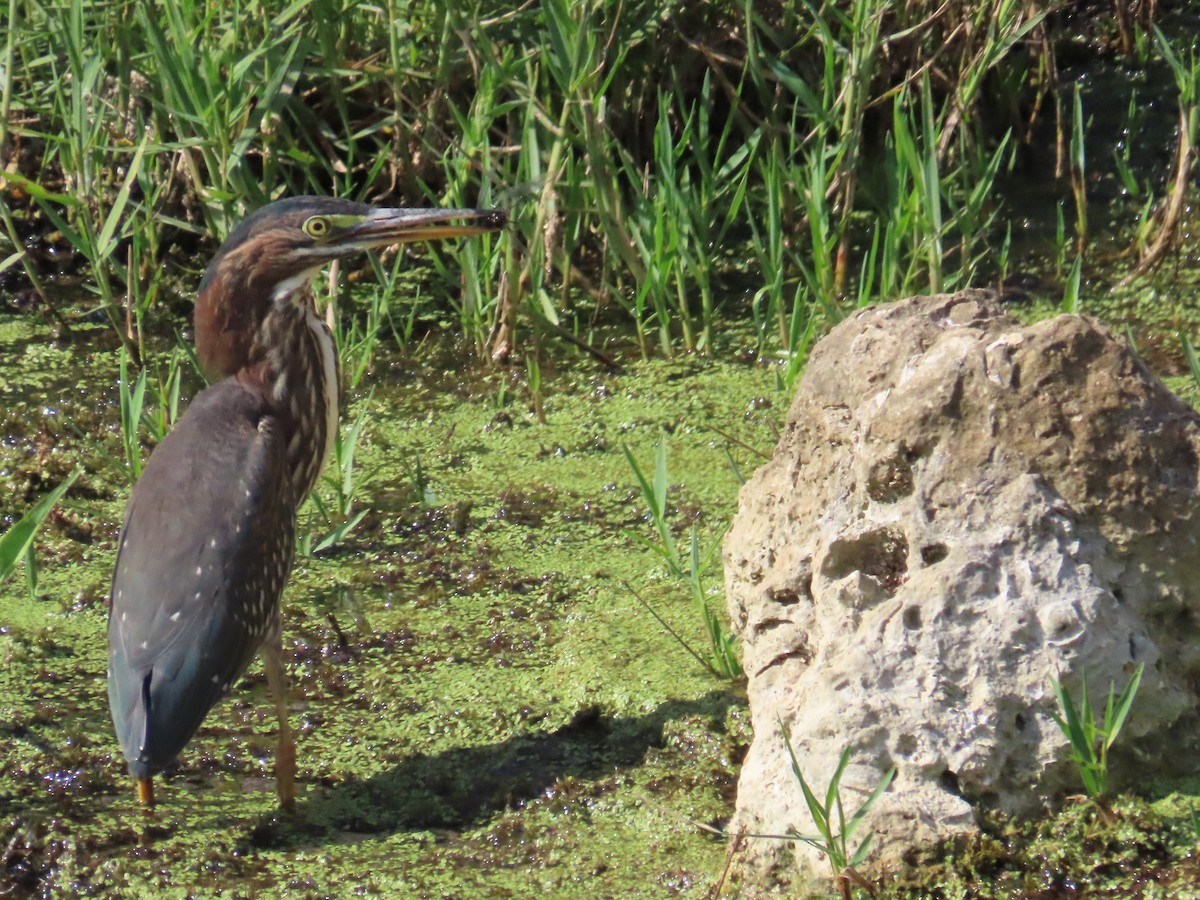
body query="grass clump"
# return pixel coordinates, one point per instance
(805, 157)
(835, 837)
(720, 658)
(1091, 740)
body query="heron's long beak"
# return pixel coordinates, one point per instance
(383, 227)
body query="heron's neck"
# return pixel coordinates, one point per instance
(300, 381)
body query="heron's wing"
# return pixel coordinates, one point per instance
(203, 554)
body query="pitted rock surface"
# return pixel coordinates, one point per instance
(960, 509)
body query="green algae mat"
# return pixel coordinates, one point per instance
(483, 705)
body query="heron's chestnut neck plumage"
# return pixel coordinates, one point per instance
(256, 321)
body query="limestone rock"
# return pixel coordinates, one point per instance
(961, 508)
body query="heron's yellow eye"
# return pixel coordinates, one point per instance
(316, 226)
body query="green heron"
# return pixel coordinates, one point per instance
(210, 527)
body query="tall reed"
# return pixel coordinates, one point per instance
(817, 155)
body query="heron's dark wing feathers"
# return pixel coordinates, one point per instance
(207, 541)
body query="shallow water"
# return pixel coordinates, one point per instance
(483, 707)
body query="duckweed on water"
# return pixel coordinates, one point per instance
(482, 709)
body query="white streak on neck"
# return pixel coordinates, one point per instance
(286, 289)
(294, 291)
(329, 379)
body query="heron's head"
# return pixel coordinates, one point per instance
(278, 250)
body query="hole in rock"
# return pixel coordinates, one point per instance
(949, 783)
(932, 554)
(882, 554)
(890, 479)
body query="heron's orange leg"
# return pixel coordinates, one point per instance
(285, 755)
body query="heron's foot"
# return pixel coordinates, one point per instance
(285, 774)
(145, 792)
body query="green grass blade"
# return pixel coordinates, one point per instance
(105, 243)
(835, 783)
(1114, 718)
(11, 260)
(861, 853)
(1070, 724)
(1087, 719)
(657, 548)
(819, 813)
(18, 540)
(1193, 360)
(647, 491)
(338, 534)
(858, 816)
(656, 498)
(671, 631)
(661, 477)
